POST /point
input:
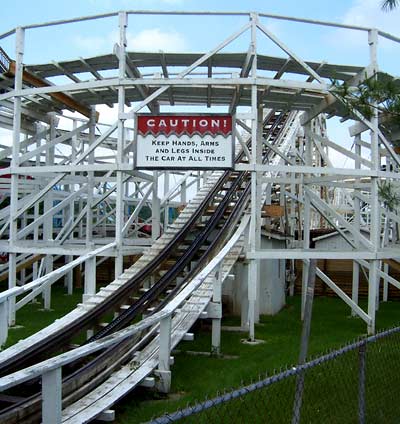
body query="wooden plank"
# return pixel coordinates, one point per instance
(340, 271)
(21, 266)
(61, 97)
(393, 264)
(275, 211)
(10, 399)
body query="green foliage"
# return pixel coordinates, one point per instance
(388, 195)
(388, 5)
(381, 92)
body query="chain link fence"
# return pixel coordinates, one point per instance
(359, 383)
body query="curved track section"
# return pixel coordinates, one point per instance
(146, 361)
(10, 356)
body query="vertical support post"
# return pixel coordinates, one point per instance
(155, 209)
(48, 260)
(51, 397)
(292, 229)
(292, 204)
(119, 211)
(127, 207)
(24, 223)
(356, 223)
(385, 283)
(12, 261)
(375, 225)
(164, 355)
(184, 192)
(74, 148)
(198, 180)
(35, 267)
(385, 237)
(292, 277)
(104, 206)
(255, 221)
(306, 218)
(48, 223)
(166, 207)
(69, 276)
(90, 278)
(216, 322)
(282, 202)
(90, 264)
(268, 200)
(361, 381)
(205, 176)
(80, 231)
(24, 216)
(3, 321)
(90, 184)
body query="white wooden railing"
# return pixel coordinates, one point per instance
(8, 304)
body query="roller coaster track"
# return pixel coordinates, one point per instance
(93, 386)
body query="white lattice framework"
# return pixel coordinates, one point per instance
(85, 178)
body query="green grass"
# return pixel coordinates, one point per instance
(195, 377)
(31, 318)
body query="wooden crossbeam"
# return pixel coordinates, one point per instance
(61, 97)
(21, 266)
(393, 264)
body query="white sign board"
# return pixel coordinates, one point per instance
(184, 142)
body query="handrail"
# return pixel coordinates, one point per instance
(7, 297)
(57, 273)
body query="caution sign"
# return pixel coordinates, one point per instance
(184, 142)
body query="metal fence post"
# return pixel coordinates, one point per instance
(51, 397)
(305, 337)
(362, 351)
(216, 322)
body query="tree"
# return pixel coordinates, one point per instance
(388, 5)
(381, 92)
(388, 195)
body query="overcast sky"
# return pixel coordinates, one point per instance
(177, 33)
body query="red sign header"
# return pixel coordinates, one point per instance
(184, 124)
